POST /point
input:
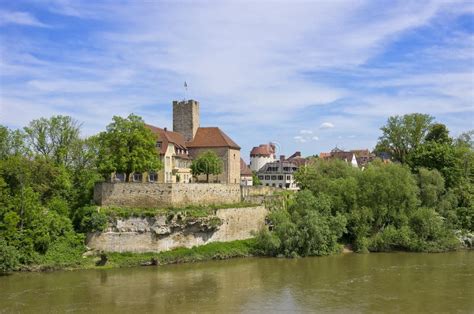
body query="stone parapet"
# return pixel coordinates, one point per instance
(153, 195)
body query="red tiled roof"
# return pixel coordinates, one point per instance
(167, 137)
(263, 150)
(211, 137)
(244, 169)
(324, 155)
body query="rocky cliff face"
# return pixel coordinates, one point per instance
(161, 233)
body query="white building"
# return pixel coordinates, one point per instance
(279, 174)
(261, 155)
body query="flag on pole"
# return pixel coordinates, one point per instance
(185, 85)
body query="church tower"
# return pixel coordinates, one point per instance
(186, 118)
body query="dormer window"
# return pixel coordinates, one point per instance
(158, 144)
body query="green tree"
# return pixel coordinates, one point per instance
(206, 163)
(255, 179)
(127, 146)
(53, 138)
(402, 134)
(438, 133)
(431, 184)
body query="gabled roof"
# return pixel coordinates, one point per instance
(266, 150)
(211, 137)
(244, 169)
(167, 137)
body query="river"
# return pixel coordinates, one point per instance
(350, 283)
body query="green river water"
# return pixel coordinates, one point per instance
(351, 283)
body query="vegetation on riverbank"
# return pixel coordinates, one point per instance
(416, 203)
(47, 175)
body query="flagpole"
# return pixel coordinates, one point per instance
(185, 90)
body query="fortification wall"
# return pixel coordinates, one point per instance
(148, 195)
(156, 234)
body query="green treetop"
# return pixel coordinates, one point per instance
(206, 163)
(127, 146)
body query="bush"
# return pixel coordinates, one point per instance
(89, 219)
(8, 258)
(306, 228)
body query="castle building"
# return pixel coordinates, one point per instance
(174, 155)
(188, 140)
(261, 155)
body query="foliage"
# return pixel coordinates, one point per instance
(307, 228)
(206, 163)
(53, 138)
(8, 257)
(403, 134)
(211, 251)
(127, 146)
(255, 180)
(89, 219)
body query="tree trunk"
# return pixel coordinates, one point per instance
(127, 177)
(207, 177)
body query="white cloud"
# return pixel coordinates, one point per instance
(20, 18)
(300, 139)
(306, 132)
(315, 138)
(326, 125)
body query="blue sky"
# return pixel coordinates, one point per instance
(306, 75)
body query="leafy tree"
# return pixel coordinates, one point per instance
(306, 228)
(255, 179)
(440, 156)
(127, 146)
(53, 138)
(431, 184)
(206, 163)
(402, 134)
(8, 257)
(438, 133)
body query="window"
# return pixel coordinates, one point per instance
(260, 177)
(267, 177)
(288, 177)
(274, 177)
(280, 177)
(137, 177)
(158, 144)
(152, 177)
(120, 177)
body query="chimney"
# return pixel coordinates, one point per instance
(282, 158)
(166, 129)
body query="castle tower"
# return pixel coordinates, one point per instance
(186, 118)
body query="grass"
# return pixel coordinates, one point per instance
(195, 211)
(211, 251)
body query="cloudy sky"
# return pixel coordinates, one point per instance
(307, 75)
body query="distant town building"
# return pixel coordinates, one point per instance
(357, 158)
(261, 155)
(246, 178)
(280, 173)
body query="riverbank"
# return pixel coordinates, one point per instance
(211, 251)
(97, 260)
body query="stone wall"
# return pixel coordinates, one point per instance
(156, 234)
(152, 195)
(257, 194)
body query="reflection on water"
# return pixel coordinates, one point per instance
(396, 282)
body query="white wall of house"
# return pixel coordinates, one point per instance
(257, 162)
(285, 181)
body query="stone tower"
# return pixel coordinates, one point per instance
(186, 118)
